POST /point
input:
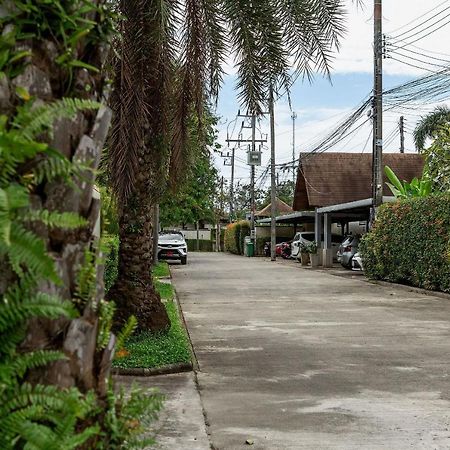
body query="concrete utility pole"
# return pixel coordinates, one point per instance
(273, 187)
(293, 117)
(377, 157)
(253, 142)
(219, 217)
(252, 168)
(401, 124)
(232, 186)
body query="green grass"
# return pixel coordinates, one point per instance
(161, 270)
(155, 350)
(165, 290)
(151, 350)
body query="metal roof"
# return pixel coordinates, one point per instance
(351, 206)
(297, 217)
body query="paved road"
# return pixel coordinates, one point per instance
(298, 359)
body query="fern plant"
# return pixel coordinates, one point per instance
(33, 417)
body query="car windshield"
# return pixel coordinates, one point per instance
(171, 237)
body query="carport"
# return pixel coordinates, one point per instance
(295, 219)
(356, 211)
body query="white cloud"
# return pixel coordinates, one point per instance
(356, 50)
(355, 56)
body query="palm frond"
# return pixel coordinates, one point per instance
(429, 125)
(128, 100)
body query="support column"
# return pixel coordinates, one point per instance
(318, 235)
(327, 258)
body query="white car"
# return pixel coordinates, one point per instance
(306, 237)
(357, 263)
(172, 246)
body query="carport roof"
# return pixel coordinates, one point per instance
(297, 217)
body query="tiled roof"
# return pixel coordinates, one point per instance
(281, 208)
(331, 178)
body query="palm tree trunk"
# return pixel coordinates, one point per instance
(134, 291)
(81, 138)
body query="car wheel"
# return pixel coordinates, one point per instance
(184, 260)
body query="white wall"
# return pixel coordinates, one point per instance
(204, 235)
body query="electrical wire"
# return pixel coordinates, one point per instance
(420, 17)
(416, 29)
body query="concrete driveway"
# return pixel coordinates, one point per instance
(299, 359)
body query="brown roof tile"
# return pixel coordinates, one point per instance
(281, 208)
(331, 178)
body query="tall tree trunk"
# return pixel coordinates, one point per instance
(82, 139)
(134, 291)
(138, 153)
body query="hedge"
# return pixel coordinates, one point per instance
(235, 234)
(204, 245)
(410, 243)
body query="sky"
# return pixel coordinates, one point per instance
(321, 105)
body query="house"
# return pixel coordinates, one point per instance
(336, 189)
(334, 178)
(280, 208)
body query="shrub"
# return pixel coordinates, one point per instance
(410, 243)
(235, 234)
(111, 251)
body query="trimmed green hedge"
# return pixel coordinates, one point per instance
(205, 246)
(235, 234)
(410, 243)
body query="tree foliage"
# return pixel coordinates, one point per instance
(403, 189)
(438, 159)
(428, 126)
(195, 199)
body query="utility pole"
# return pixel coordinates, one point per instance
(273, 206)
(377, 156)
(219, 217)
(293, 117)
(232, 186)
(402, 134)
(252, 184)
(252, 163)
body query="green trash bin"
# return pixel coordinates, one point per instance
(250, 249)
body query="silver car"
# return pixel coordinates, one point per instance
(347, 250)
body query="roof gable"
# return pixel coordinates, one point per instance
(331, 178)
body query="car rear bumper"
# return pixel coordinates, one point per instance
(173, 253)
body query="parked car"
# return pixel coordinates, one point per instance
(357, 263)
(347, 250)
(172, 246)
(306, 237)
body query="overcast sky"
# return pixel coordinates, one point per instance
(322, 105)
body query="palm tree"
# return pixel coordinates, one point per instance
(429, 125)
(52, 53)
(172, 55)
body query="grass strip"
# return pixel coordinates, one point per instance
(152, 350)
(161, 269)
(165, 290)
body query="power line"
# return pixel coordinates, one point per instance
(420, 17)
(415, 28)
(425, 35)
